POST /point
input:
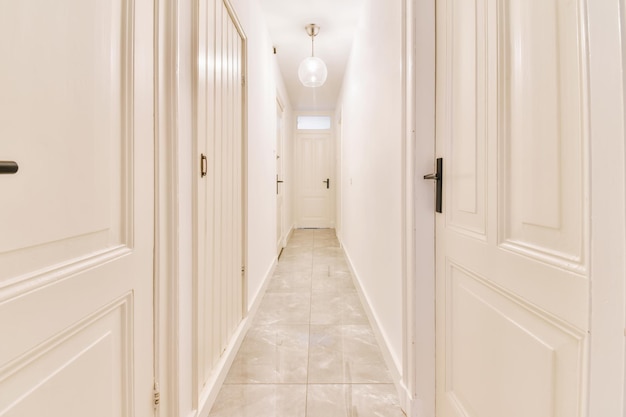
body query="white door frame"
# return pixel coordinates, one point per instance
(418, 380)
(337, 170)
(167, 283)
(608, 207)
(418, 373)
(281, 240)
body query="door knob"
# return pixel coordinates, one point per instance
(8, 167)
(437, 176)
(327, 181)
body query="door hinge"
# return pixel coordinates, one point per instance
(157, 395)
(243, 269)
(243, 80)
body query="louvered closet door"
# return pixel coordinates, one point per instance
(512, 263)
(76, 220)
(219, 209)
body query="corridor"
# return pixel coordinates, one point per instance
(311, 350)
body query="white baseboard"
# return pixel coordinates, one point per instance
(213, 386)
(288, 236)
(406, 401)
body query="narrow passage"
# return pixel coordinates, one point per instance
(311, 351)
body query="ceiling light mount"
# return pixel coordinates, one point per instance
(312, 71)
(312, 29)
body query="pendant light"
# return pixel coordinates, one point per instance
(312, 71)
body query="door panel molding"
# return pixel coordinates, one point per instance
(106, 333)
(544, 131)
(511, 343)
(100, 167)
(467, 193)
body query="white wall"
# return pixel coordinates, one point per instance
(371, 219)
(262, 86)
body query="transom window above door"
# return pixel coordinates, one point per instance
(313, 123)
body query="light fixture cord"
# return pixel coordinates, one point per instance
(313, 45)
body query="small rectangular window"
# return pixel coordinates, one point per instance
(313, 122)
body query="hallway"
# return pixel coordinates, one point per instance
(311, 350)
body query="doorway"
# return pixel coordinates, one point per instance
(315, 183)
(280, 192)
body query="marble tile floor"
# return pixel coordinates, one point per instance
(311, 351)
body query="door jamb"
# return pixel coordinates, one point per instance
(607, 149)
(418, 380)
(167, 205)
(280, 130)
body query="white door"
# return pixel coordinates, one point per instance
(280, 193)
(76, 220)
(512, 242)
(219, 225)
(315, 185)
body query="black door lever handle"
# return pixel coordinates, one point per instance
(437, 176)
(327, 183)
(8, 167)
(278, 182)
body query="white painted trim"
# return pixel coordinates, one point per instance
(407, 389)
(166, 250)
(288, 236)
(608, 208)
(396, 373)
(256, 300)
(421, 294)
(214, 384)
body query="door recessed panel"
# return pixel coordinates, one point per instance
(506, 358)
(542, 129)
(465, 172)
(64, 116)
(84, 370)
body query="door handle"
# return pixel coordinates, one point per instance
(327, 181)
(203, 165)
(438, 177)
(278, 182)
(8, 167)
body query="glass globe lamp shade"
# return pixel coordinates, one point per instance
(312, 72)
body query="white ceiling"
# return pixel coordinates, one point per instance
(337, 20)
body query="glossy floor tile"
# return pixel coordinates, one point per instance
(353, 400)
(311, 350)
